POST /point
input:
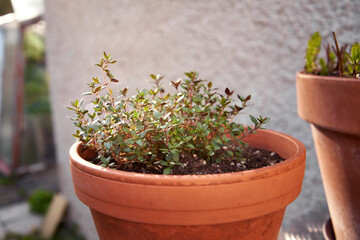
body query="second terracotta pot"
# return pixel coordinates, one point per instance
(332, 106)
(243, 205)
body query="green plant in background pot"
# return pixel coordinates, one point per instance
(40, 200)
(132, 150)
(338, 61)
(328, 95)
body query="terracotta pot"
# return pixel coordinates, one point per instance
(243, 205)
(332, 106)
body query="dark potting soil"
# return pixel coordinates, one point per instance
(252, 158)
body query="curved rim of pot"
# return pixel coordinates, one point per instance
(293, 158)
(305, 75)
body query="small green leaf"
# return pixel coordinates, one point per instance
(174, 155)
(230, 153)
(157, 115)
(94, 126)
(189, 145)
(266, 120)
(105, 55)
(167, 171)
(188, 138)
(222, 129)
(241, 98)
(355, 52)
(208, 147)
(254, 120)
(129, 141)
(127, 150)
(164, 163)
(312, 52)
(108, 145)
(139, 142)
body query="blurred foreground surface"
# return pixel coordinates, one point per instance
(17, 221)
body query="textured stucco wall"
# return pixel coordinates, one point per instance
(251, 46)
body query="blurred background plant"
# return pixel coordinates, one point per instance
(40, 200)
(36, 80)
(36, 98)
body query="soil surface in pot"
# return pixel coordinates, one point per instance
(252, 158)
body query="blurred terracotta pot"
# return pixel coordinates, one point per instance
(243, 205)
(332, 106)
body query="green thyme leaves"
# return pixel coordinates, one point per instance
(159, 128)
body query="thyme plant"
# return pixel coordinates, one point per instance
(338, 61)
(154, 127)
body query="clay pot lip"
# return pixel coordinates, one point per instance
(302, 74)
(187, 180)
(339, 94)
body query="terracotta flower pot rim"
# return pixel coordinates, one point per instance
(184, 180)
(305, 75)
(329, 102)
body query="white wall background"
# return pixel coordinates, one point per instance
(253, 47)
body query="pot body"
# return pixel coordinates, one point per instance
(332, 106)
(242, 205)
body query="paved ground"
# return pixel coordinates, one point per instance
(18, 189)
(17, 218)
(15, 215)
